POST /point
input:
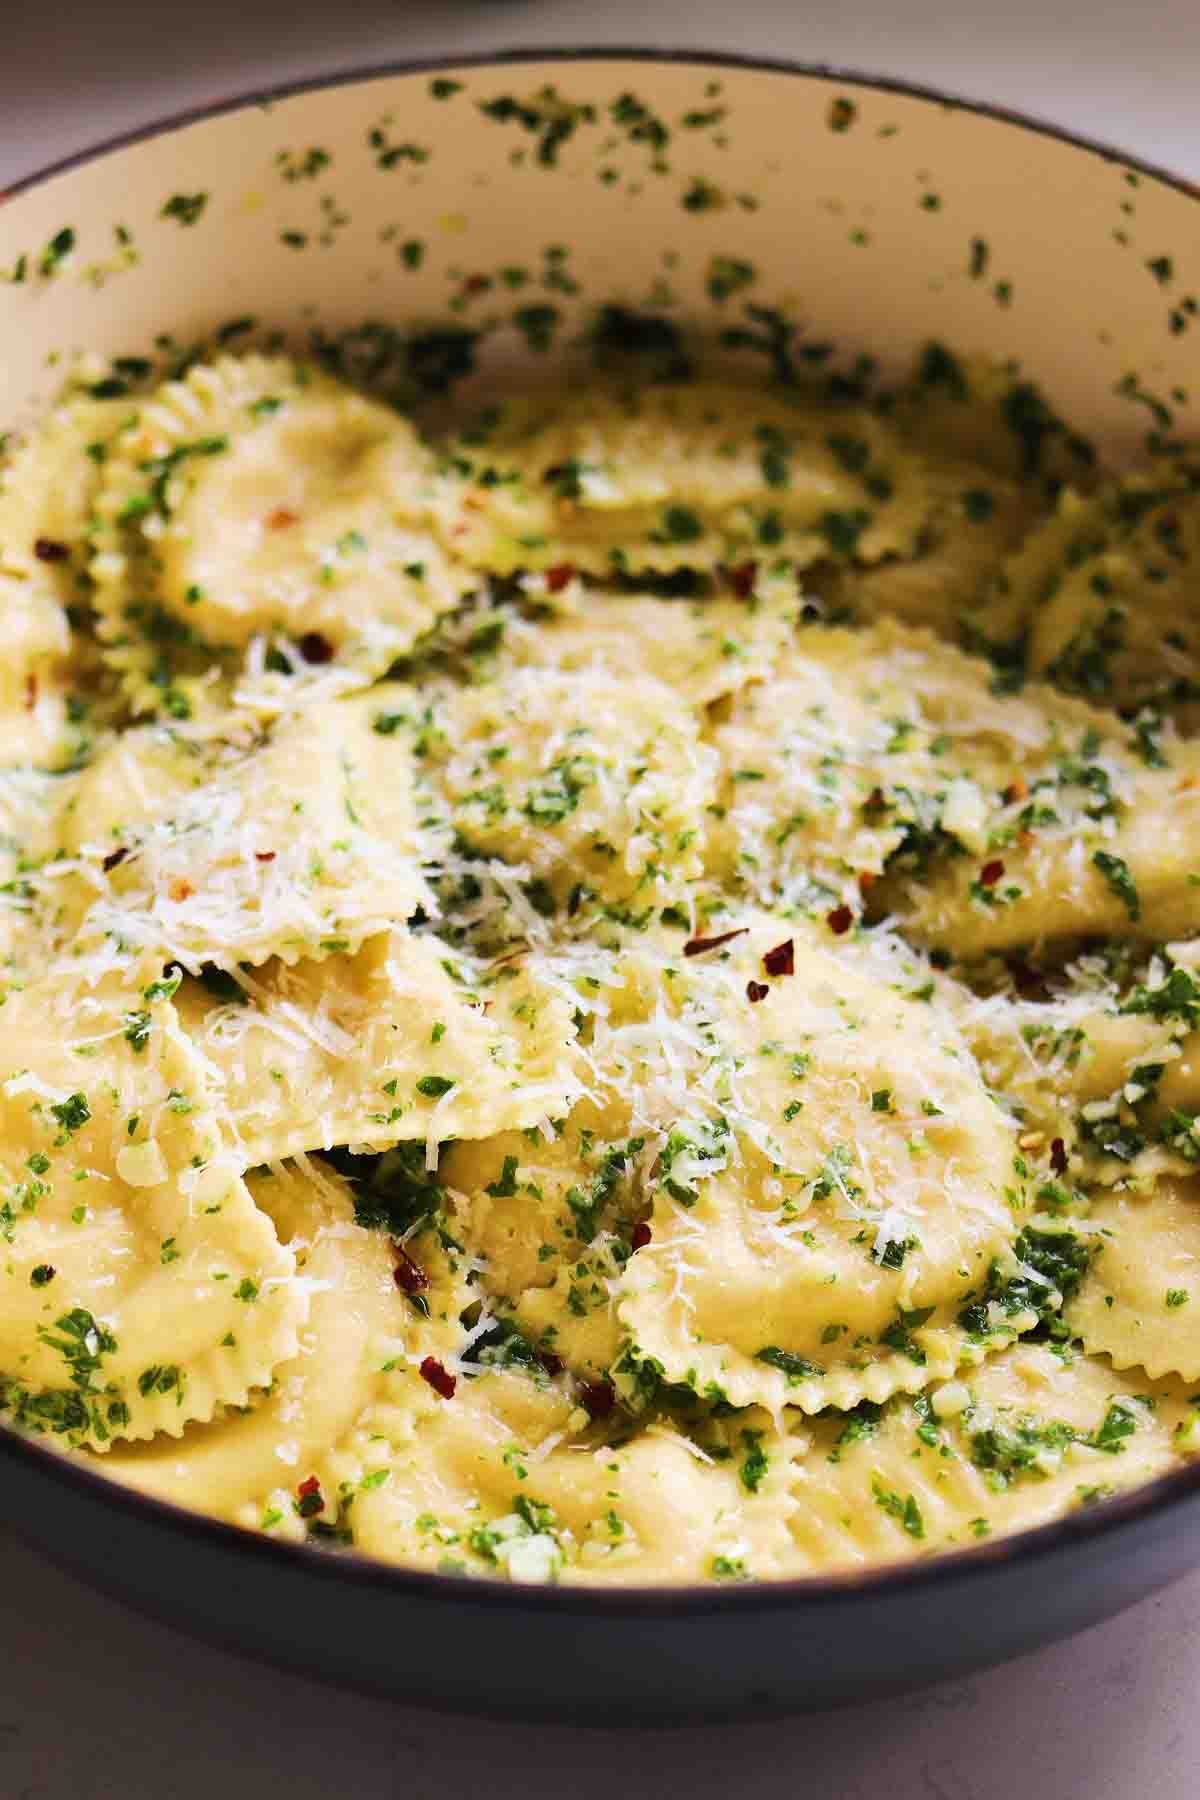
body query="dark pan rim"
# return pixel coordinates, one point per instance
(942, 1569)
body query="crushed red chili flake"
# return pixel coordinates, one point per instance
(50, 550)
(264, 856)
(558, 577)
(866, 882)
(180, 889)
(782, 959)
(697, 946)
(1058, 1156)
(407, 1274)
(310, 1499)
(438, 1377)
(756, 991)
(742, 579)
(990, 873)
(316, 648)
(477, 284)
(1016, 790)
(552, 1364)
(641, 1235)
(281, 518)
(114, 858)
(839, 920)
(598, 1398)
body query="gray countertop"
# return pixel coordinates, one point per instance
(95, 1702)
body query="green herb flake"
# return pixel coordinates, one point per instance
(434, 1086)
(1117, 874)
(186, 209)
(72, 1114)
(902, 1508)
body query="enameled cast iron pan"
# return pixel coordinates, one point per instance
(872, 218)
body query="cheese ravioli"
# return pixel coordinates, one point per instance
(606, 992)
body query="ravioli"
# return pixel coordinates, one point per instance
(356, 1322)
(873, 752)
(553, 1219)
(1136, 1305)
(836, 1193)
(1021, 1441)
(703, 648)
(143, 1288)
(1104, 589)
(399, 1041)
(594, 786)
(50, 676)
(677, 477)
(484, 1484)
(604, 993)
(1114, 1077)
(323, 500)
(298, 842)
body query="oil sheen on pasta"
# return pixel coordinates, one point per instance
(611, 995)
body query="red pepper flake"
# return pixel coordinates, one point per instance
(438, 1377)
(598, 1398)
(742, 579)
(31, 692)
(281, 518)
(1016, 790)
(1058, 1156)
(866, 882)
(409, 1275)
(839, 920)
(50, 550)
(756, 991)
(180, 890)
(114, 858)
(782, 959)
(641, 1235)
(552, 1364)
(697, 946)
(316, 648)
(477, 284)
(990, 873)
(310, 1499)
(558, 577)
(264, 856)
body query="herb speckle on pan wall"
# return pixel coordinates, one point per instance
(185, 209)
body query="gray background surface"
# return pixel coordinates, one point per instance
(95, 1704)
